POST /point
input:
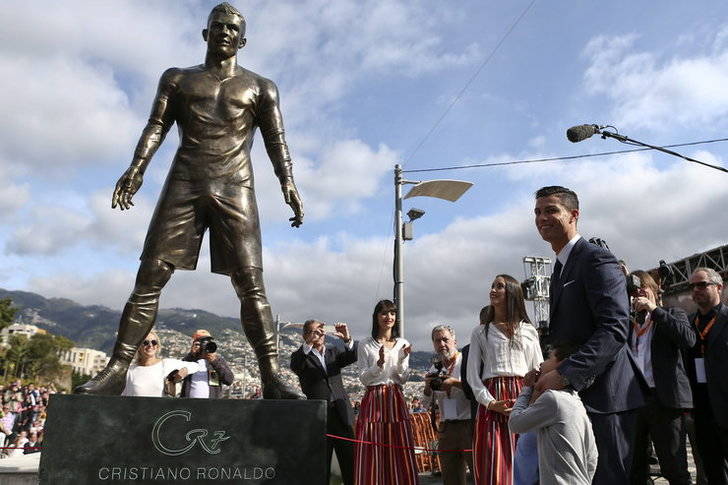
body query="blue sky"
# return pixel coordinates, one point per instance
(361, 83)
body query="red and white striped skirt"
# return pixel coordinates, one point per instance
(384, 418)
(493, 445)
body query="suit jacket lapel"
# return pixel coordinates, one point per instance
(565, 274)
(314, 358)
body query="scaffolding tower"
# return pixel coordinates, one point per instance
(536, 289)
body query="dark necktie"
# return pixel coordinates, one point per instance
(557, 272)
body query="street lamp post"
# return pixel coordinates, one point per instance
(442, 189)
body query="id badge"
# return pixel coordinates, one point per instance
(700, 370)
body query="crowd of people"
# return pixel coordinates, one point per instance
(22, 418)
(622, 375)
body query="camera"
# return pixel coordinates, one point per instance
(439, 375)
(207, 345)
(633, 283)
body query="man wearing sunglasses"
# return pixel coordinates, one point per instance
(707, 364)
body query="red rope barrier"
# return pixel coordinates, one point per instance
(20, 448)
(393, 446)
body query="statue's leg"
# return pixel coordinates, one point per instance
(257, 320)
(136, 322)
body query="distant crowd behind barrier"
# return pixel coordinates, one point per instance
(22, 418)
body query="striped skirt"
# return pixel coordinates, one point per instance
(493, 445)
(384, 418)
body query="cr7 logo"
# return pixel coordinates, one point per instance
(193, 437)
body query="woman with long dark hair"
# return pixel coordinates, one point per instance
(507, 346)
(383, 361)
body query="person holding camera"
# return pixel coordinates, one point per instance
(443, 383)
(207, 382)
(318, 367)
(657, 340)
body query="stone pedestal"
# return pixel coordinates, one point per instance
(130, 440)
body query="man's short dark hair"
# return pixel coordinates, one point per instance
(567, 196)
(562, 350)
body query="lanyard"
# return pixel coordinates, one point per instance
(641, 330)
(705, 332)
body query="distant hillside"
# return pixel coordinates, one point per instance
(95, 326)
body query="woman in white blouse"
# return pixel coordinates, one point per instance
(383, 361)
(147, 376)
(506, 345)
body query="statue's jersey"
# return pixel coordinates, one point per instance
(217, 120)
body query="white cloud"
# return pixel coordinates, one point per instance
(52, 229)
(64, 112)
(651, 92)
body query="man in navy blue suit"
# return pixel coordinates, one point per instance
(589, 307)
(318, 367)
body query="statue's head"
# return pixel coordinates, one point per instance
(225, 31)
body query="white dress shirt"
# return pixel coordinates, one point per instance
(396, 364)
(453, 408)
(642, 349)
(320, 355)
(563, 255)
(501, 356)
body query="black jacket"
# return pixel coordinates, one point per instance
(716, 365)
(672, 334)
(317, 383)
(589, 308)
(219, 366)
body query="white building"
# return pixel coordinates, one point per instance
(19, 329)
(85, 361)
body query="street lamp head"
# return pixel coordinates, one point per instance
(414, 214)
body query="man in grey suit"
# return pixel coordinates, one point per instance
(589, 307)
(707, 364)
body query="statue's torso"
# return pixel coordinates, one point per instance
(216, 120)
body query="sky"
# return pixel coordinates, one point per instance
(364, 85)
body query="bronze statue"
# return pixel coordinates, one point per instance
(217, 107)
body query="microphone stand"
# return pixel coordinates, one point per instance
(630, 141)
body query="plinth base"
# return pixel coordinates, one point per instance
(129, 440)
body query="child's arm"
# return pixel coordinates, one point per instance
(539, 414)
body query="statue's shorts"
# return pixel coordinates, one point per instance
(186, 209)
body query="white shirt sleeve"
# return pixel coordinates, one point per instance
(475, 357)
(366, 361)
(192, 367)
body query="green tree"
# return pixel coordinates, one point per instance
(7, 312)
(43, 355)
(16, 354)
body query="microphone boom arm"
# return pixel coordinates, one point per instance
(630, 141)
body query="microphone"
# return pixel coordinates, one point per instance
(581, 132)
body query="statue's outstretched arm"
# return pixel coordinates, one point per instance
(160, 121)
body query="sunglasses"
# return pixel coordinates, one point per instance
(700, 284)
(153, 343)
